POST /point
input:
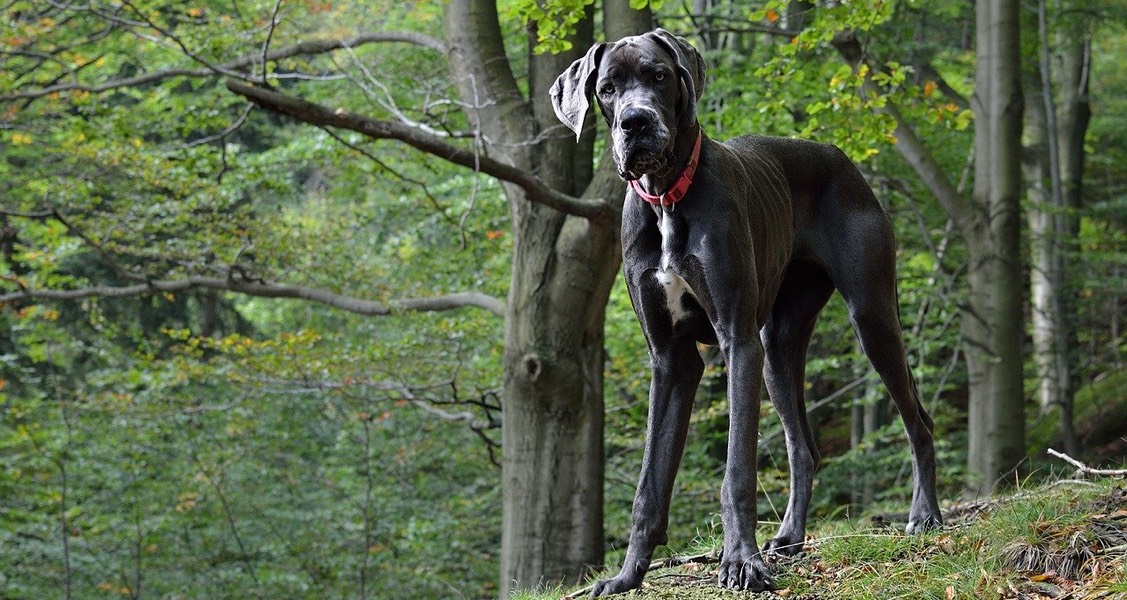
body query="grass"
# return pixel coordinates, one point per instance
(1067, 539)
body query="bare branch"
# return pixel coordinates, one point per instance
(491, 420)
(268, 290)
(316, 114)
(236, 280)
(306, 48)
(1085, 469)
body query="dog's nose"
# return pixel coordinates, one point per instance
(634, 120)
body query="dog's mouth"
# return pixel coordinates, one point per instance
(636, 158)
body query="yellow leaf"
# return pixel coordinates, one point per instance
(21, 139)
(195, 12)
(186, 502)
(772, 15)
(929, 88)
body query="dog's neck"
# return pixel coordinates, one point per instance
(656, 188)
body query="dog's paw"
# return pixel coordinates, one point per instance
(783, 546)
(923, 523)
(615, 585)
(750, 574)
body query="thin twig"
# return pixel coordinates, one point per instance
(215, 68)
(674, 561)
(266, 44)
(816, 405)
(227, 130)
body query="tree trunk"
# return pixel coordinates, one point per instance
(1074, 47)
(991, 325)
(870, 412)
(562, 271)
(1055, 132)
(992, 318)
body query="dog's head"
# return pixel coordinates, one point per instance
(646, 86)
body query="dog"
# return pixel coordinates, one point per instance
(737, 244)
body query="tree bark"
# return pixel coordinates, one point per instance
(1075, 114)
(562, 270)
(1045, 271)
(992, 319)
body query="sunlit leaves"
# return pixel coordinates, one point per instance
(555, 20)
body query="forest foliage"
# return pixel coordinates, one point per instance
(287, 425)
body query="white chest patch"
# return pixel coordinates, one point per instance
(675, 287)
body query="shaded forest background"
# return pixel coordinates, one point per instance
(248, 354)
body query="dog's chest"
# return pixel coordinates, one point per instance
(675, 287)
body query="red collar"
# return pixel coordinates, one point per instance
(679, 187)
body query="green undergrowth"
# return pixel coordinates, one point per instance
(1099, 411)
(1065, 539)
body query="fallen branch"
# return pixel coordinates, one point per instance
(674, 561)
(1085, 469)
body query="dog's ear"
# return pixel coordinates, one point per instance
(690, 66)
(572, 90)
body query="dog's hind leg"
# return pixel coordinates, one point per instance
(804, 291)
(868, 286)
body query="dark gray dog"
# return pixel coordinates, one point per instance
(738, 244)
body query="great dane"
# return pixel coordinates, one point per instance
(737, 244)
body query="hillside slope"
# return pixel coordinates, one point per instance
(1067, 539)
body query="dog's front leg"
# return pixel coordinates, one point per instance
(677, 370)
(741, 565)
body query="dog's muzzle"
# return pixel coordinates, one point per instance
(641, 143)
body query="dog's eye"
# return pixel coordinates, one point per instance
(659, 76)
(607, 89)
